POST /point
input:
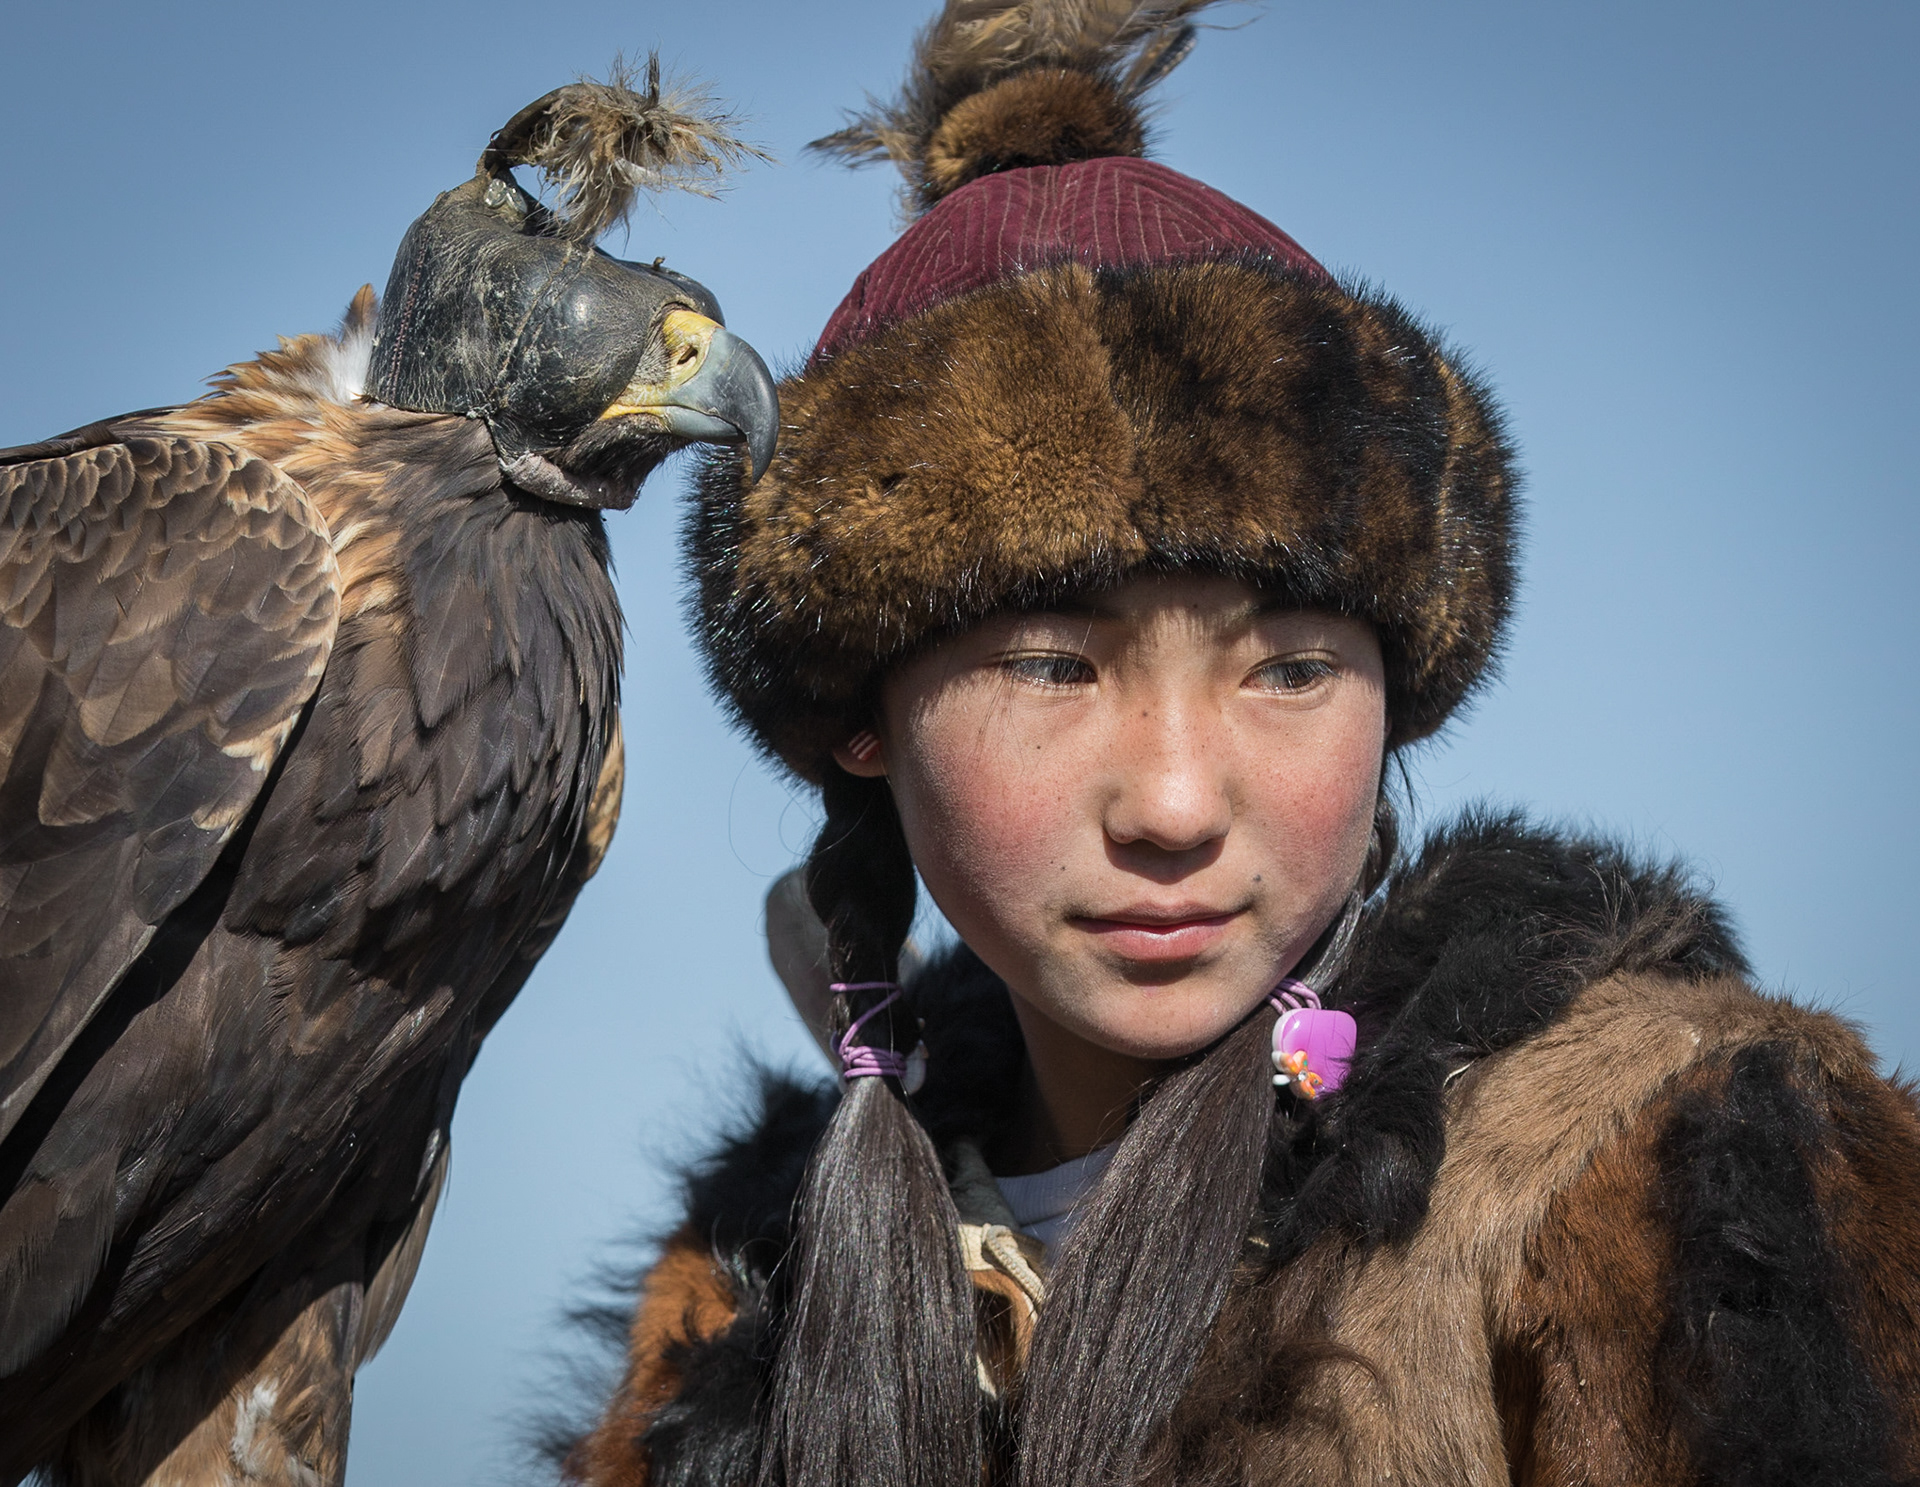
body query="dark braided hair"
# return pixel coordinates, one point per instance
(1134, 1293)
(876, 1374)
(875, 1378)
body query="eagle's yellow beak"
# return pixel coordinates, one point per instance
(716, 389)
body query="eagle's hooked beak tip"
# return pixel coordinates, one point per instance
(717, 390)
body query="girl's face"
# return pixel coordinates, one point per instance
(1142, 809)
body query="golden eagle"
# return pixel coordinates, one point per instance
(308, 740)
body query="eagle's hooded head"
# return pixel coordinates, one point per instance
(586, 369)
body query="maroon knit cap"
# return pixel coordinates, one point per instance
(1112, 212)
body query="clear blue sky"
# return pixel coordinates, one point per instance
(1679, 237)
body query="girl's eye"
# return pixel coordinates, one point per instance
(1296, 674)
(1050, 670)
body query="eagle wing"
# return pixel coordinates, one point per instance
(166, 609)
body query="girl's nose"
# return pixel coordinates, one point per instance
(1168, 788)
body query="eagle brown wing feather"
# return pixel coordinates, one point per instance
(167, 607)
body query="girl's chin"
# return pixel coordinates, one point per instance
(1165, 1029)
(1106, 1002)
(1157, 1050)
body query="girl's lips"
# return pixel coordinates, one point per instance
(1159, 939)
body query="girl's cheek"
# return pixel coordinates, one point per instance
(1322, 809)
(991, 820)
(1322, 787)
(1005, 821)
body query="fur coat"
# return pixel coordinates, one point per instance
(1590, 1208)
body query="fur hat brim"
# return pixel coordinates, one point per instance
(1066, 428)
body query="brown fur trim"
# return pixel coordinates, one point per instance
(1574, 1362)
(684, 1299)
(995, 86)
(1759, 1364)
(1868, 1186)
(1407, 1362)
(1064, 429)
(1595, 1352)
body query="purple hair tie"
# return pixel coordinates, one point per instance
(858, 1060)
(1312, 1044)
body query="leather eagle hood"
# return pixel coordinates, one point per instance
(502, 309)
(492, 312)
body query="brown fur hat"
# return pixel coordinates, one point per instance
(989, 426)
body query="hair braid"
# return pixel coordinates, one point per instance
(1139, 1280)
(874, 1381)
(860, 878)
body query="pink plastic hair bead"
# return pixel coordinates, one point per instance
(1312, 1045)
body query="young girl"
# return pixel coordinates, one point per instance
(1112, 550)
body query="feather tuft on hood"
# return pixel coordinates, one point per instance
(600, 144)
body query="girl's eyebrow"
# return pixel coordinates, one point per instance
(1078, 609)
(1096, 608)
